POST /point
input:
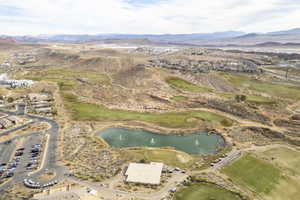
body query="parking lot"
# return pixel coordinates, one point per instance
(20, 160)
(29, 156)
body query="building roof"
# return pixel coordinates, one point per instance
(93, 192)
(144, 173)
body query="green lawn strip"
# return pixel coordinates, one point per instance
(83, 111)
(185, 85)
(63, 75)
(91, 112)
(167, 156)
(259, 99)
(256, 174)
(286, 158)
(249, 98)
(205, 191)
(273, 89)
(179, 98)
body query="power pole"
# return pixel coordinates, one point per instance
(286, 73)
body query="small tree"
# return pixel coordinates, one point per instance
(240, 98)
(54, 111)
(10, 99)
(243, 97)
(237, 98)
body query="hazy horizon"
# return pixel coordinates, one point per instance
(40, 17)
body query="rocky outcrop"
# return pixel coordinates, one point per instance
(274, 135)
(266, 132)
(287, 123)
(296, 117)
(88, 156)
(238, 110)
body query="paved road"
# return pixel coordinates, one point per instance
(17, 128)
(231, 156)
(6, 151)
(109, 193)
(32, 138)
(282, 75)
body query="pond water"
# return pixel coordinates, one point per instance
(197, 143)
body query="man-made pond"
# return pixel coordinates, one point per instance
(197, 143)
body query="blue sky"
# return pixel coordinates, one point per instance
(25, 17)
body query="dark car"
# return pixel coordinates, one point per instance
(29, 164)
(9, 174)
(35, 150)
(7, 142)
(34, 155)
(19, 153)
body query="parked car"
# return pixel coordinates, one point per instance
(9, 174)
(19, 153)
(7, 142)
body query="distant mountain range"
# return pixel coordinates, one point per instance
(285, 37)
(165, 38)
(6, 40)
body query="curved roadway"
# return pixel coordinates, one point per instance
(49, 156)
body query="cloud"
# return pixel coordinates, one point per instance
(143, 2)
(146, 16)
(10, 11)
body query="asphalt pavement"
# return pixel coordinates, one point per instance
(7, 150)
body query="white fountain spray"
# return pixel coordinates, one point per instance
(152, 141)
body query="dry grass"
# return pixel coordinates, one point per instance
(167, 156)
(285, 158)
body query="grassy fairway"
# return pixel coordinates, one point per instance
(289, 162)
(287, 189)
(256, 174)
(167, 156)
(185, 85)
(259, 100)
(285, 158)
(65, 75)
(91, 112)
(273, 89)
(205, 191)
(83, 111)
(250, 98)
(179, 98)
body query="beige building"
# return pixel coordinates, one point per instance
(144, 173)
